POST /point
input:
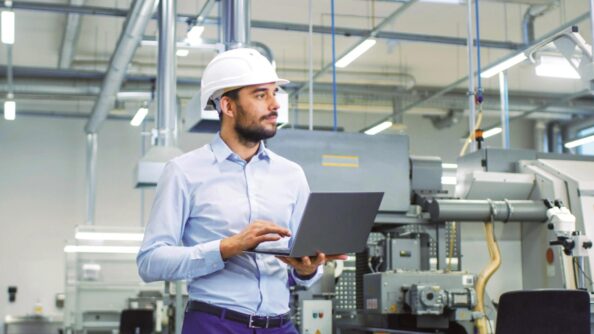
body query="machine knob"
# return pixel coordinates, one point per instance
(587, 244)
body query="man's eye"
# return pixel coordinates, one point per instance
(260, 96)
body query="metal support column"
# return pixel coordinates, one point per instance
(166, 82)
(503, 90)
(91, 176)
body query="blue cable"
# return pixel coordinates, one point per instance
(478, 54)
(333, 67)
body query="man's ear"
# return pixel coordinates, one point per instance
(227, 106)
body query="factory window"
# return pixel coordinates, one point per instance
(587, 149)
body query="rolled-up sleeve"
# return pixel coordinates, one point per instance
(161, 256)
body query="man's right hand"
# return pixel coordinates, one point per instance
(255, 233)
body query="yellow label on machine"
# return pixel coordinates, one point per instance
(345, 161)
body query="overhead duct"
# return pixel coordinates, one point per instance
(235, 23)
(235, 31)
(450, 119)
(136, 22)
(70, 37)
(531, 14)
(149, 168)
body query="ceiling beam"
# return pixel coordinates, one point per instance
(348, 32)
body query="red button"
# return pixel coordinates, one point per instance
(321, 315)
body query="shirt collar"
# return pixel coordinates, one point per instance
(222, 152)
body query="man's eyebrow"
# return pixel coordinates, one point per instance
(262, 89)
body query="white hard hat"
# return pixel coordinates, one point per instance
(235, 68)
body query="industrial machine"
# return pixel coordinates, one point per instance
(412, 277)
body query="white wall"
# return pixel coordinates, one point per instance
(43, 197)
(42, 190)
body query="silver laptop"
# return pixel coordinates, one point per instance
(332, 223)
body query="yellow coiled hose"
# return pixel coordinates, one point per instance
(485, 275)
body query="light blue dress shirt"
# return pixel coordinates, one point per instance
(209, 194)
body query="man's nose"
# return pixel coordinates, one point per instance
(274, 105)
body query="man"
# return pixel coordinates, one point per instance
(226, 197)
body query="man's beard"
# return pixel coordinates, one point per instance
(252, 133)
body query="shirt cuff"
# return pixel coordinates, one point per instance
(209, 256)
(307, 281)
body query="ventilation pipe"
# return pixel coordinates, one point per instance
(235, 31)
(150, 166)
(136, 22)
(132, 32)
(531, 14)
(235, 23)
(554, 137)
(540, 136)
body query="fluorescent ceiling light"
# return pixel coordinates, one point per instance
(182, 52)
(492, 132)
(134, 96)
(7, 27)
(111, 236)
(378, 128)
(579, 142)
(452, 2)
(355, 53)
(449, 166)
(91, 266)
(449, 180)
(194, 35)
(556, 67)
(102, 249)
(9, 110)
(139, 117)
(504, 65)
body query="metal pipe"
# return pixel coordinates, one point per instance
(531, 14)
(528, 26)
(72, 115)
(310, 63)
(91, 176)
(540, 138)
(9, 69)
(481, 210)
(550, 132)
(235, 21)
(581, 276)
(503, 91)
(204, 11)
(179, 304)
(592, 20)
(470, 92)
(70, 37)
(265, 50)
(142, 153)
(166, 84)
(131, 35)
(50, 89)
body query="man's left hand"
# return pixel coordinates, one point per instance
(306, 266)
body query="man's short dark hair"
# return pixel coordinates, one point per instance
(233, 95)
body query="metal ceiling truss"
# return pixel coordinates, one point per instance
(190, 18)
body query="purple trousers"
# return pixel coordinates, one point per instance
(203, 323)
